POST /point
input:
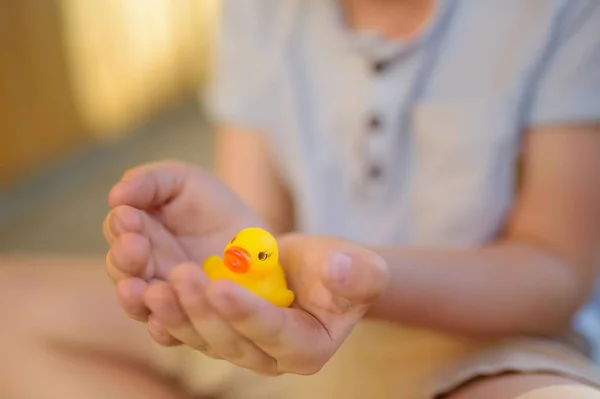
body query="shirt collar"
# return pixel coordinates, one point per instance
(372, 45)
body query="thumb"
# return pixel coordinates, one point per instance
(357, 275)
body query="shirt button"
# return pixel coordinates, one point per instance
(375, 172)
(375, 123)
(380, 66)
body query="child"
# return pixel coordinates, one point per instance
(440, 163)
(396, 125)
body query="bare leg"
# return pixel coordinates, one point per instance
(64, 336)
(525, 386)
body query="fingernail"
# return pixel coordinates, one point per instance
(190, 285)
(339, 267)
(128, 176)
(114, 223)
(188, 289)
(155, 327)
(222, 300)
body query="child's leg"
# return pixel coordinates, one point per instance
(525, 386)
(64, 336)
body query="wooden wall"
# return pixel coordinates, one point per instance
(128, 56)
(72, 71)
(38, 119)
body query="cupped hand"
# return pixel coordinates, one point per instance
(163, 214)
(335, 282)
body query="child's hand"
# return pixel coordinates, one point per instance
(335, 282)
(164, 214)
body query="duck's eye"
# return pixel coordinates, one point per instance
(263, 255)
(232, 240)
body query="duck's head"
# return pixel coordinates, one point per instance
(252, 251)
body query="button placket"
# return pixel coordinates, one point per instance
(374, 161)
(374, 139)
(375, 136)
(369, 168)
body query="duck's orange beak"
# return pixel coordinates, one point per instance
(237, 260)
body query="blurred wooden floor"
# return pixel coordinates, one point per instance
(61, 210)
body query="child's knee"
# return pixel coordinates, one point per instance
(561, 392)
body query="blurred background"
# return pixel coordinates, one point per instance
(88, 89)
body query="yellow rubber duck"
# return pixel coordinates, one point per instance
(251, 259)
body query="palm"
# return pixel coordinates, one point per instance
(192, 224)
(168, 248)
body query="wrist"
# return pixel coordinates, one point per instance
(388, 299)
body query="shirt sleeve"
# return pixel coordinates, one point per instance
(243, 61)
(568, 89)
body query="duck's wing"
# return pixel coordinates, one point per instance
(213, 266)
(281, 297)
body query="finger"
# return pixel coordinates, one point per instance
(150, 185)
(160, 334)
(297, 340)
(269, 326)
(190, 284)
(122, 219)
(129, 257)
(166, 311)
(112, 271)
(109, 236)
(357, 277)
(130, 293)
